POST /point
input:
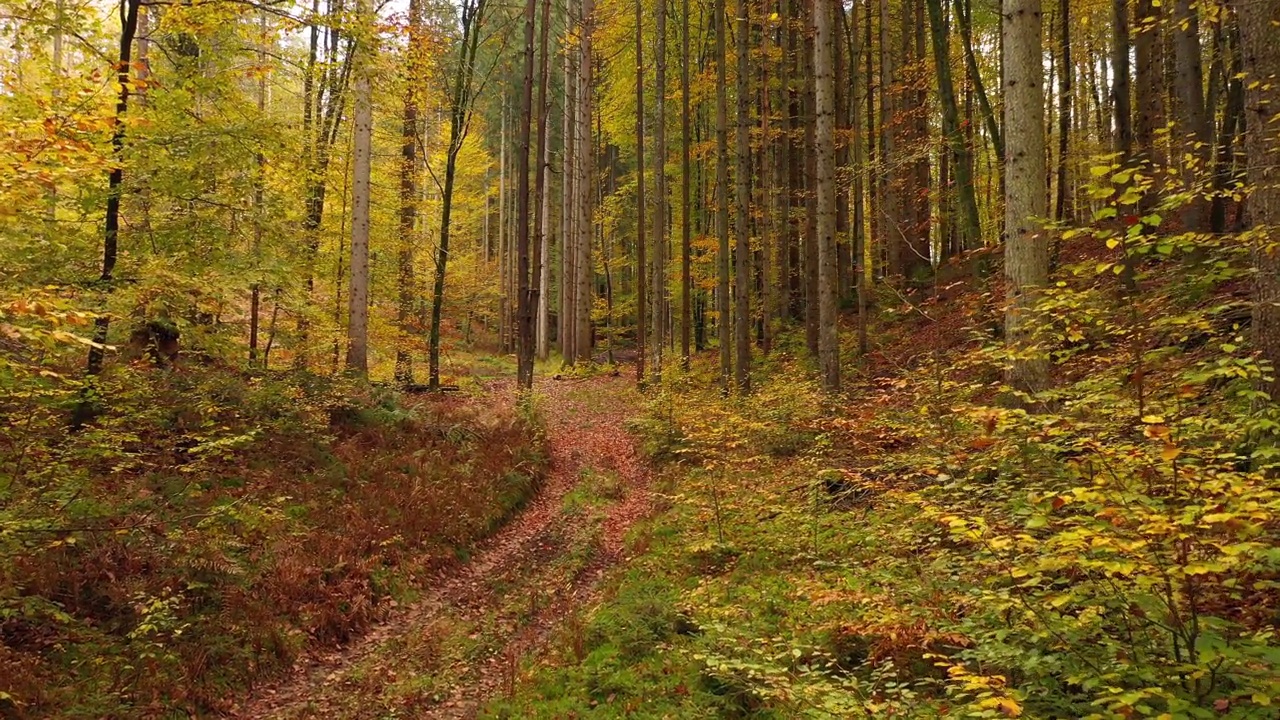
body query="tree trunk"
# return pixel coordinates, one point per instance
(408, 198)
(362, 122)
(568, 203)
(825, 162)
(1149, 63)
(583, 266)
(1196, 130)
(460, 101)
(543, 239)
(742, 179)
(1261, 54)
(686, 262)
(642, 338)
(115, 183)
(658, 299)
(722, 199)
(966, 199)
(524, 298)
(1026, 251)
(1066, 77)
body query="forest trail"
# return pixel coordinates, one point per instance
(461, 643)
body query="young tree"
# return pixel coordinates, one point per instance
(115, 187)
(1026, 259)
(460, 104)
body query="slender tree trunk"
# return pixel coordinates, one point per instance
(1196, 125)
(362, 122)
(722, 199)
(584, 267)
(1065, 80)
(259, 181)
(1149, 59)
(408, 198)
(543, 239)
(1121, 113)
(686, 262)
(966, 199)
(115, 187)
(828, 281)
(742, 178)
(460, 101)
(1223, 170)
(642, 337)
(524, 298)
(1026, 252)
(658, 299)
(964, 18)
(568, 204)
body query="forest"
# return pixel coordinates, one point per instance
(632, 358)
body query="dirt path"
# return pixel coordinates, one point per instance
(460, 644)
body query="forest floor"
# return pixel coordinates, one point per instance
(457, 646)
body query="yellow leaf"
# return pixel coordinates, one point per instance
(1170, 452)
(1152, 419)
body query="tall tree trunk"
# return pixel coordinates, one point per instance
(1261, 54)
(642, 338)
(964, 18)
(967, 200)
(259, 180)
(658, 298)
(1066, 77)
(809, 247)
(583, 265)
(408, 197)
(362, 122)
(115, 187)
(524, 298)
(1196, 125)
(568, 203)
(742, 179)
(542, 282)
(722, 199)
(1223, 173)
(825, 161)
(1122, 113)
(686, 262)
(460, 102)
(1148, 71)
(1026, 253)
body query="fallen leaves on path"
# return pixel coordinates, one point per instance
(524, 580)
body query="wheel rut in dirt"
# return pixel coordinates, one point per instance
(445, 655)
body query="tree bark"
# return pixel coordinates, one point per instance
(686, 252)
(408, 198)
(362, 123)
(825, 162)
(642, 338)
(1026, 252)
(1261, 55)
(722, 199)
(742, 179)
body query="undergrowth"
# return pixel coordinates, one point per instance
(209, 526)
(924, 547)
